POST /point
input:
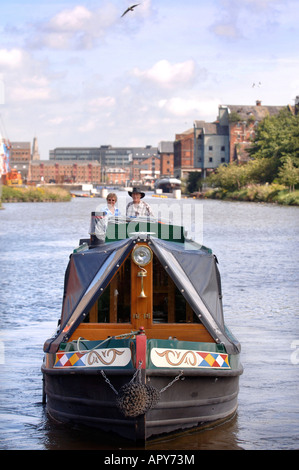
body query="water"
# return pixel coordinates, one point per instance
(257, 250)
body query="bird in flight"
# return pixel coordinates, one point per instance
(131, 8)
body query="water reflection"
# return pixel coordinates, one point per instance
(62, 437)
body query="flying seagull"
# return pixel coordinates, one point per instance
(131, 8)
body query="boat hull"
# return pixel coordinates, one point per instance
(188, 400)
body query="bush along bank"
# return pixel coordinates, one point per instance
(33, 194)
(272, 193)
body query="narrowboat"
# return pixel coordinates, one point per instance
(141, 348)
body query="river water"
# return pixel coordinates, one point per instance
(257, 249)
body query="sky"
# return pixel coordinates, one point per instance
(77, 73)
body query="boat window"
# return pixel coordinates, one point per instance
(114, 305)
(169, 304)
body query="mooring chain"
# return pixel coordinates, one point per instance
(172, 382)
(135, 398)
(138, 372)
(108, 382)
(132, 380)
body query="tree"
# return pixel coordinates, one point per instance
(289, 174)
(194, 182)
(229, 177)
(276, 138)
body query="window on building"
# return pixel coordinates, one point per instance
(210, 159)
(222, 148)
(210, 147)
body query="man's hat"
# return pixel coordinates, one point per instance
(136, 191)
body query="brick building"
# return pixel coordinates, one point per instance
(242, 121)
(183, 151)
(116, 175)
(145, 171)
(20, 157)
(166, 154)
(65, 171)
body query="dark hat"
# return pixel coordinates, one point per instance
(136, 191)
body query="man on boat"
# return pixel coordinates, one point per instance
(138, 208)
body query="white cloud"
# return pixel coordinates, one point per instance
(88, 126)
(71, 20)
(58, 120)
(168, 75)
(237, 19)
(102, 102)
(25, 93)
(183, 107)
(75, 28)
(11, 58)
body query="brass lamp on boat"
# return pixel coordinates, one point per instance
(142, 255)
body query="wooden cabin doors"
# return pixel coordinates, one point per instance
(141, 295)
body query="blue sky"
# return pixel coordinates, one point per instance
(76, 73)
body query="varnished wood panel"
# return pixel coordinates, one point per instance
(183, 332)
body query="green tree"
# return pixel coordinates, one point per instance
(229, 177)
(288, 174)
(194, 182)
(276, 138)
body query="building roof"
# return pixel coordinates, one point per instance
(20, 145)
(258, 111)
(165, 147)
(211, 128)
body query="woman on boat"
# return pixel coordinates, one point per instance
(138, 208)
(110, 209)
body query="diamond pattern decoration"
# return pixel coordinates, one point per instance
(69, 360)
(212, 359)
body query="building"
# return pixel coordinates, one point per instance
(75, 154)
(202, 148)
(211, 146)
(105, 154)
(20, 157)
(35, 153)
(65, 171)
(242, 121)
(115, 175)
(111, 160)
(183, 151)
(148, 170)
(166, 154)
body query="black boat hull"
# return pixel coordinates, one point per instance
(186, 401)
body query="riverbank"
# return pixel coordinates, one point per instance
(34, 194)
(271, 193)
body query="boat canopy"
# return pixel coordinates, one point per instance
(194, 272)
